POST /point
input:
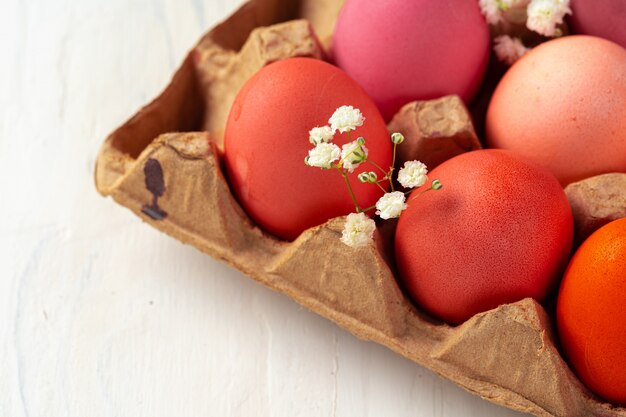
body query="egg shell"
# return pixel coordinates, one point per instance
(603, 18)
(499, 230)
(267, 139)
(401, 51)
(591, 312)
(563, 105)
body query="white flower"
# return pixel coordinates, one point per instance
(353, 154)
(508, 49)
(358, 230)
(545, 15)
(322, 134)
(413, 174)
(391, 205)
(345, 119)
(323, 155)
(491, 10)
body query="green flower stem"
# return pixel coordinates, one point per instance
(377, 166)
(380, 186)
(420, 194)
(387, 174)
(393, 164)
(345, 178)
(365, 210)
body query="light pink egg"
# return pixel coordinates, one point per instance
(405, 50)
(563, 105)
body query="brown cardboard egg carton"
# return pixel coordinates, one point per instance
(174, 182)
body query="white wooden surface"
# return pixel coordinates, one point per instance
(100, 315)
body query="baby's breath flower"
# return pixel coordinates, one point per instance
(358, 230)
(323, 155)
(345, 119)
(368, 177)
(491, 10)
(508, 49)
(413, 174)
(545, 15)
(391, 205)
(397, 138)
(322, 134)
(353, 154)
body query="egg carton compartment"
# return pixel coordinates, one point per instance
(164, 164)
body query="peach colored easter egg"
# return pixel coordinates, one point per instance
(563, 105)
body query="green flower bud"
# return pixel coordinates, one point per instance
(361, 141)
(397, 138)
(368, 177)
(436, 185)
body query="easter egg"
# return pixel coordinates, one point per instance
(267, 139)
(401, 51)
(602, 18)
(563, 105)
(591, 312)
(499, 230)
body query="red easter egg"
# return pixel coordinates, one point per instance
(401, 51)
(499, 230)
(603, 18)
(267, 139)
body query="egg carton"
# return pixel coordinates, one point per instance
(164, 164)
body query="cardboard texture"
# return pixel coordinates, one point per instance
(596, 201)
(174, 182)
(438, 130)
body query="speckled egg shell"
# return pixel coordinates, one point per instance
(267, 139)
(498, 231)
(563, 105)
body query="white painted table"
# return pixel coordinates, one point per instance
(101, 315)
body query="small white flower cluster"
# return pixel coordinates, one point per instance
(325, 153)
(542, 17)
(509, 49)
(391, 205)
(359, 228)
(413, 174)
(346, 119)
(545, 15)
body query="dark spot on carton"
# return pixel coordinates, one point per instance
(156, 185)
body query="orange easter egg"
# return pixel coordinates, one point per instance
(591, 312)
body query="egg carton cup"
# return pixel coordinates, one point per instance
(164, 164)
